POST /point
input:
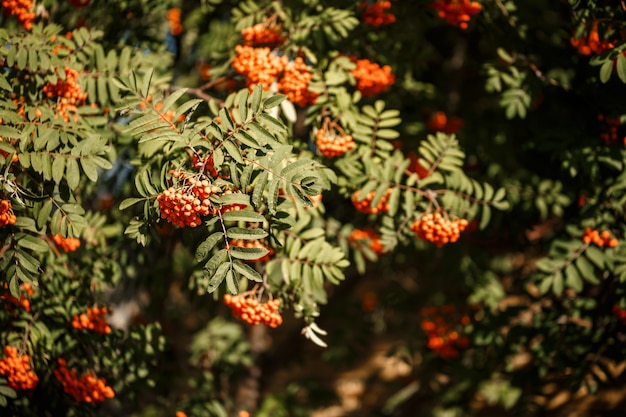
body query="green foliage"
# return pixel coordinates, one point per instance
(143, 171)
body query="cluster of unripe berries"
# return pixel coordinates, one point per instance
(68, 93)
(371, 78)
(24, 301)
(443, 338)
(6, 213)
(183, 205)
(21, 9)
(248, 308)
(439, 122)
(87, 388)
(365, 205)
(241, 243)
(17, 370)
(333, 143)
(592, 44)
(376, 13)
(600, 239)
(92, 320)
(437, 229)
(367, 237)
(67, 244)
(262, 34)
(456, 12)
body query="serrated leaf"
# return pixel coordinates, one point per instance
(248, 254)
(273, 101)
(243, 216)
(30, 242)
(204, 248)
(247, 271)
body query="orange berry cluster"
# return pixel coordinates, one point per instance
(456, 12)
(599, 239)
(93, 320)
(173, 18)
(14, 158)
(183, 205)
(435, 228)
(620, 313)
(294, 83)
(249, 309)
(204, 163)
(253, 244)
(23, 300)
(69, 244)
(87, 388)
(371, 78)
(442, 338)
(610, 126)
(375, 14)
(261, 34)
(332, 143)
(258, 65)
(6, 213)
(439, 122)
(592, 44)
(364, 206)
(17, 370)
(68, 92)
(368, 236)
(21, 9)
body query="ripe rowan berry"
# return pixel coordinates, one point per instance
(183, 204)
(6, 213)
(92, 320)
(21, 9)
(592, 44)
(332, 141)
(366, 237)
(258, 65)
(371, 78)
(68, 92)
(609, 129)
(69, 244)
(365, 205)
(456, 12)
(620, 313)
(375, 14)
(14, 158)
(86, 388)
(444, 338)
(599, 239)
(17, 370)
(294, 83)
(262, 34)
(435, 228)
(173, 18)
(439, 122)
(24, 301)
(247, 307)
